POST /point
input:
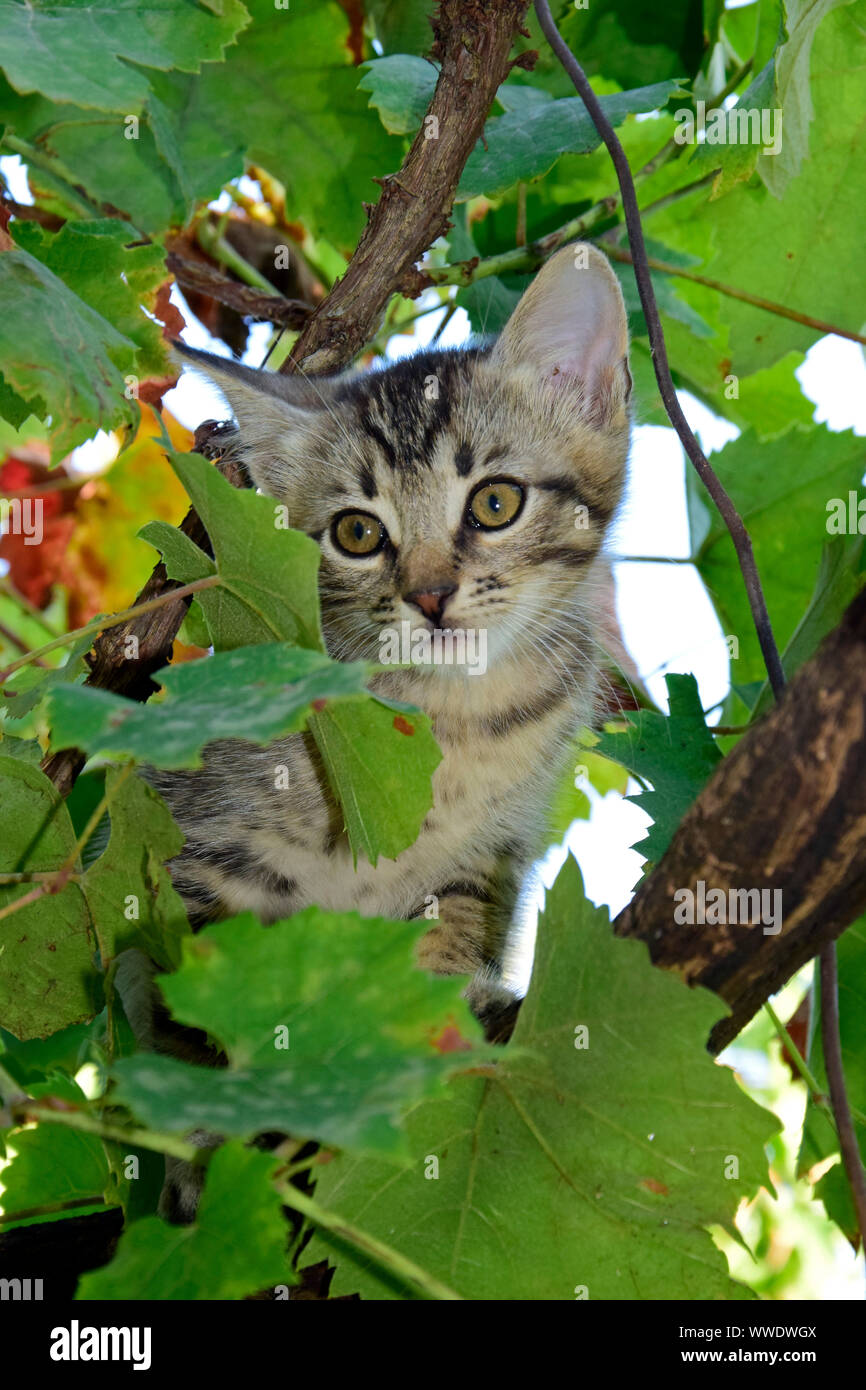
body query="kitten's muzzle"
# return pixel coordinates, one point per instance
(432, 602)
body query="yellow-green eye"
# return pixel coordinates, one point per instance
(358, 533)
(495, 504)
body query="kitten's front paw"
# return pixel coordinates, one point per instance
(494, 1005)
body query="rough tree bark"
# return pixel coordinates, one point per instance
(786, 810)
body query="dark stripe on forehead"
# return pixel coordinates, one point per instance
(369, 426)
(438, 419)
(405, 406)
(367, 481)
(464, 460)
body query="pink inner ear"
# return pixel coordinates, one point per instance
(567, 376)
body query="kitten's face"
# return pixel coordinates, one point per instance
(447, 492)
(466, 491)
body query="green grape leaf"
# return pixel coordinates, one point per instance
(97, 261)
(675, 752)
(786, 264)
(269, 573)
(55, 1172)
(781, 89)
(47, 977)
(295, 61)
(625, 1169)
(401, 87)
(330, 1029)
(235, 1247)
(524, 144)
(133, 175)
(129, 892)
(24, 689)
(258, 693)
(69, 368)
(841, 576)
(92, 53)
(782, 489)
(379, 757)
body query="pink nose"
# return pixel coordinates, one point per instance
(432, 601)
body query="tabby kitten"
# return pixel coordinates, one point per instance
(466, 489)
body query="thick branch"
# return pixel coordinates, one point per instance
(473, 40)
(785, 811)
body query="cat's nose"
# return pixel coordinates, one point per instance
(432, 601)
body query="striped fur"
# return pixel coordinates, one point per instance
(546, 406)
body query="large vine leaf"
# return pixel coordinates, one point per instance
(235, 1247)
(91, 53)
(153, 191)
(781, 87)
(625, 1169)
(326, 147)
(525, 142)
(330, 1029)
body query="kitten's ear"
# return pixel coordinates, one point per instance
(275, 413)
(571, 328)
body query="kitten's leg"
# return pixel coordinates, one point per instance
(468, 940)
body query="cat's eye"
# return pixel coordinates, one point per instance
(358, 533)
(495, 504)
